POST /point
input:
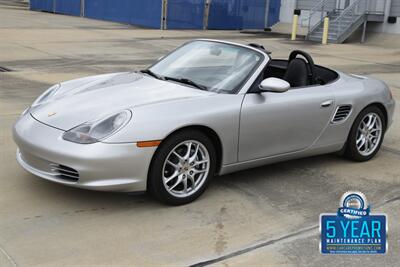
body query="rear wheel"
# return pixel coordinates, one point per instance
(366, 134)
(182, 167)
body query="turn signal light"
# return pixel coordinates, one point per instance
(148, 143)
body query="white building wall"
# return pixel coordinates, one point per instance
(286, 11)
(288, 6)
(395, 8)
(385, 26)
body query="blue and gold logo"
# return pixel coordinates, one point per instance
(353, 229)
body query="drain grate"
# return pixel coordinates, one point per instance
(4, 69)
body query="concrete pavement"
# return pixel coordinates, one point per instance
(266, 216)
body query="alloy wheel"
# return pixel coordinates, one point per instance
(186, 168)
(369, 134)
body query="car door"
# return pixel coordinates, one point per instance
(278, 123)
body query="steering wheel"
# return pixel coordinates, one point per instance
(310, 61)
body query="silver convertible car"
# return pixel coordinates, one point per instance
(208, 108)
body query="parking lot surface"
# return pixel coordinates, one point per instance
(266, 216)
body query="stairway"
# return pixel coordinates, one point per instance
(342, 23)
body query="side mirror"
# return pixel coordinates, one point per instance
(274, 85)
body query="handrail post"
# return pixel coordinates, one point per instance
(322, 10)
(363, 32)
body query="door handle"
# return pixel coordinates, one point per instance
(326, 103)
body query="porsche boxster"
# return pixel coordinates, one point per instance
(207, 108)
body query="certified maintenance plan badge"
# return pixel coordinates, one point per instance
(353, 230)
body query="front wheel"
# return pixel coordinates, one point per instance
(366, 134)
(182, 167)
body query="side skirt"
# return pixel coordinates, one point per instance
(225, 169)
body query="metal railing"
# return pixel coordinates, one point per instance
(373, 6)
(321, 8)
(317, 14)
(349, 16)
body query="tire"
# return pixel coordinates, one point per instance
(165, 174)
(360, 153)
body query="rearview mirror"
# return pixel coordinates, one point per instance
(274, 85)
(215, 51)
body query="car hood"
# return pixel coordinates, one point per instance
(91, 98)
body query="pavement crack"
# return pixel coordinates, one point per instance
(391, 150)
(7, 257)
(387, 201)
(270, 242)
(67, 213)
(254, 247)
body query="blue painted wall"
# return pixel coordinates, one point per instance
(242, 14)
(185, 14)
(181, 14)
(142, 13)
(273, 12)
(41, 5)
(69, 7)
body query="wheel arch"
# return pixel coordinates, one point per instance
(349, 150)
(209, 132)
(379, 105)
(382, 108)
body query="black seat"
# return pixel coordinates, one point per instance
(297, 73)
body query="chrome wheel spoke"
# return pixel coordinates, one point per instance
(359, 139)
(176, 183)
(362, 143)
(370, 118)
(173, 176)
(199, 171)
(185, 187)
(373, 137)
(177, 155)
(196, 151)
(189, 148)
(197, 163)
(176, 167)
(372, 124)
(191, 178)
(368, 145)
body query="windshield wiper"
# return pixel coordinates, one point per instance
(155, 75)
(188, 82)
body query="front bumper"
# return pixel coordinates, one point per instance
(101, 166)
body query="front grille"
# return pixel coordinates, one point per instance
(64, 172)
(341, 114)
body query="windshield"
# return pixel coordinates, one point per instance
(212, 66)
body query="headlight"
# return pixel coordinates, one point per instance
(46, 95)
(92, 132)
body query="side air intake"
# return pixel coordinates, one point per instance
(341, 114)
(64, 172)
